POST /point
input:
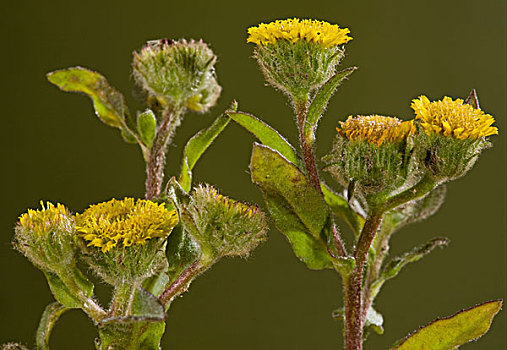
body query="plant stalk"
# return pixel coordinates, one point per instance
(355, 313)
(157, 155)
(181, 283)
(302, 106)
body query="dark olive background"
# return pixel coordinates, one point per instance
(53, 148)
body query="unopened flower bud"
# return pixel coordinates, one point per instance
(222, 226)
(177, 74)
(46, 237)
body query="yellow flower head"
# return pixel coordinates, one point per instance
(376, 129)
(43, 221)
(124, 222)
(453, 118)
(293, 30)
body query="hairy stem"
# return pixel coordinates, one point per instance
(354, 300)
(180, 285)
(302, 106)
(123, 299)
(156, 156)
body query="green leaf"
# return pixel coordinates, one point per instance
(147, 126)
(267, 135)
(64, 294)
(51, 314)
(393, 268)
(147, 306)
(196, 146)
(156, 284)
(321, 100)
(341, 208)
(109, 104)
(176, 193)
(297, 209)
(182, 251)
(451, 332)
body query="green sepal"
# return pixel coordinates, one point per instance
(66, 293)
(51, 314)
(296, 207)
(267, 135)
(196, 146)
(321, 100)
(181, 252)
(340, 207)
(394, 267)
(147, 127)
(454, 331)
(109, 104)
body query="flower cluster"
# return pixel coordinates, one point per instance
(294, 30)
(298, 56)
(453, 118)
(124, 222)
(44, 221)
(376, 129)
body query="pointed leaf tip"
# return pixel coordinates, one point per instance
(451, 332)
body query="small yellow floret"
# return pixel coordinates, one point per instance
(453, 118)
(376, 129)
(293, 30)
(231, 204)
(42, 221)
(127, 222)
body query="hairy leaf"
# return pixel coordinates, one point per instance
(196, 146)
(321, 100)
(451, 332)
(266, 134)
(109, 104)
(297, 209)
(51, 314)
(393, 267)
(147, 127)
(63, 294)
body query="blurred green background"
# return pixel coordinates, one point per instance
(53, 148)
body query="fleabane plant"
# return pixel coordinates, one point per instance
(147, 250)
(389, 173)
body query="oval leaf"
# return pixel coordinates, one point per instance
(146, 126)
(451, 332)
